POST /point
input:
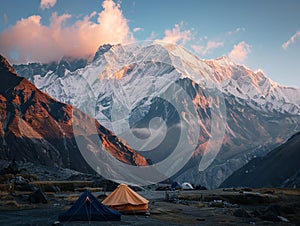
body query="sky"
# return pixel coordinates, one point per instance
(260, 34)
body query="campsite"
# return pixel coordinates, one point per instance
(42, 195)
(238, 206)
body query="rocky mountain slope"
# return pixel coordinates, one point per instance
(279, 168)
(37, 128)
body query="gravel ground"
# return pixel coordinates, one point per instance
(189, 211)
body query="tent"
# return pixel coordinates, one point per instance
(175, 186)
(125, 200)
(187, 186)
(88, 208)
(38, 197)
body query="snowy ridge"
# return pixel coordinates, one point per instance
(256, 87)
(157, 59)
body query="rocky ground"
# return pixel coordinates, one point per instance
(211, 207)
(47, 192)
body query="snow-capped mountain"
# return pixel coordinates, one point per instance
(128, 88)
(231, 78)
(255, 87)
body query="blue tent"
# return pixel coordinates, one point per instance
(175, 186)
(88, 208)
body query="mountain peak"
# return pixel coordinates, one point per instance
(224, 61)
(101, 50)
(8, 75)
(5, 66)
(223, 57)
(71, 64)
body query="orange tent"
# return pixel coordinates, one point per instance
(125, 200)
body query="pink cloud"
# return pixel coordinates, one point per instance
(136, 29)
(240, 52)
(203, 50)
(46, 4)
(34, 41)
(177, 35)
(291, 40)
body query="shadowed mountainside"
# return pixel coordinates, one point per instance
(279, 168)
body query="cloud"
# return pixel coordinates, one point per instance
(240, 52)
(5, 18)
(291, 40)
(152, 36)
(237, 30)
(177, 35)
(203, 50)
(34, 41)
(46, 4)
(136, 29)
